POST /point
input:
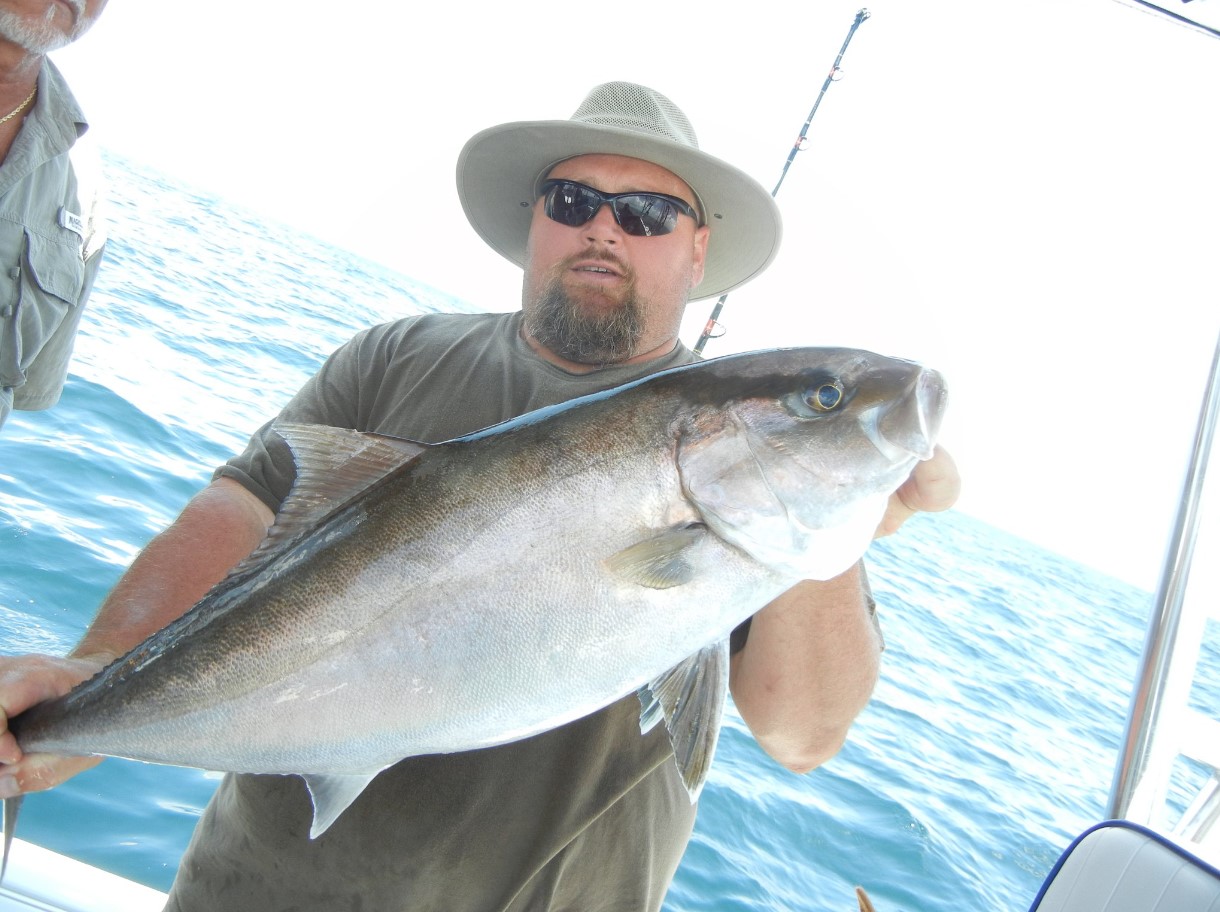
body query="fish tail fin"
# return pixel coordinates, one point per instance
(12, 806)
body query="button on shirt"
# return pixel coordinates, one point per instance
(51, 240)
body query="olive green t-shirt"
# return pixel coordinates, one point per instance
(589, 817)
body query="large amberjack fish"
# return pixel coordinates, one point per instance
(420, 599)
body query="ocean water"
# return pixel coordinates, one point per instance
(990, 742)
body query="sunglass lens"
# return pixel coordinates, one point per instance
(646, 215)
(572, 204)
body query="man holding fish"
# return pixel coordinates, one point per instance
(616, 217)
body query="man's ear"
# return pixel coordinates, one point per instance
(700, 256)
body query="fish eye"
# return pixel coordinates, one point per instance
(818, 396)
(824, 398)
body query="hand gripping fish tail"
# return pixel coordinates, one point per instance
(664, 512)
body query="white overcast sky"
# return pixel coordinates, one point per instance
(1021, 194)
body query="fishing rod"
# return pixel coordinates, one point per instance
(832, 76)
(1177, 17)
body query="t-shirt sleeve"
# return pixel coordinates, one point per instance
(332, 396)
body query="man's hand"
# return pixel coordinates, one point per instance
(221, 525)
(24, 682)
(933, 486)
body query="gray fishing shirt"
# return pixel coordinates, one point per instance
(51, 239)
(589, 817)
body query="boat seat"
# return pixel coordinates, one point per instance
(1119, 866)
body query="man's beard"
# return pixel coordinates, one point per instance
(42, 37)
(562, 325)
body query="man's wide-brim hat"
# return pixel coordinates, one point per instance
(499, 170)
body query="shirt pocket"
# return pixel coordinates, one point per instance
(48, 284)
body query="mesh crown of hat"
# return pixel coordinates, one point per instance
(636, 108)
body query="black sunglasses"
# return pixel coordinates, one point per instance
(637, 213)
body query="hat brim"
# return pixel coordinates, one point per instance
(499, 168)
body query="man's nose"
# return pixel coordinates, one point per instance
(603, 226)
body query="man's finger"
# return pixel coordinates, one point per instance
(39, 772)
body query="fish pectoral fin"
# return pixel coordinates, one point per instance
(659, 562)
(690, 698)
(332, 794)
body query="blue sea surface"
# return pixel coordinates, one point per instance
(991, 740)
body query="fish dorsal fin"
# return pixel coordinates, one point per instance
(659, 562)
(332, 794)
(690, 698)
(333, 465)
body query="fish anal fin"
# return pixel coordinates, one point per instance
(690, 698)
(660, 562)
(332, 794)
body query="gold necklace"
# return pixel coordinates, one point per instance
(21, 107)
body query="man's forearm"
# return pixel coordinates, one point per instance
(221, 525)
(807, 670)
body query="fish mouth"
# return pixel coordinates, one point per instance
(909, 426)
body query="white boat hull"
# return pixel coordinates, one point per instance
(39, 880)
